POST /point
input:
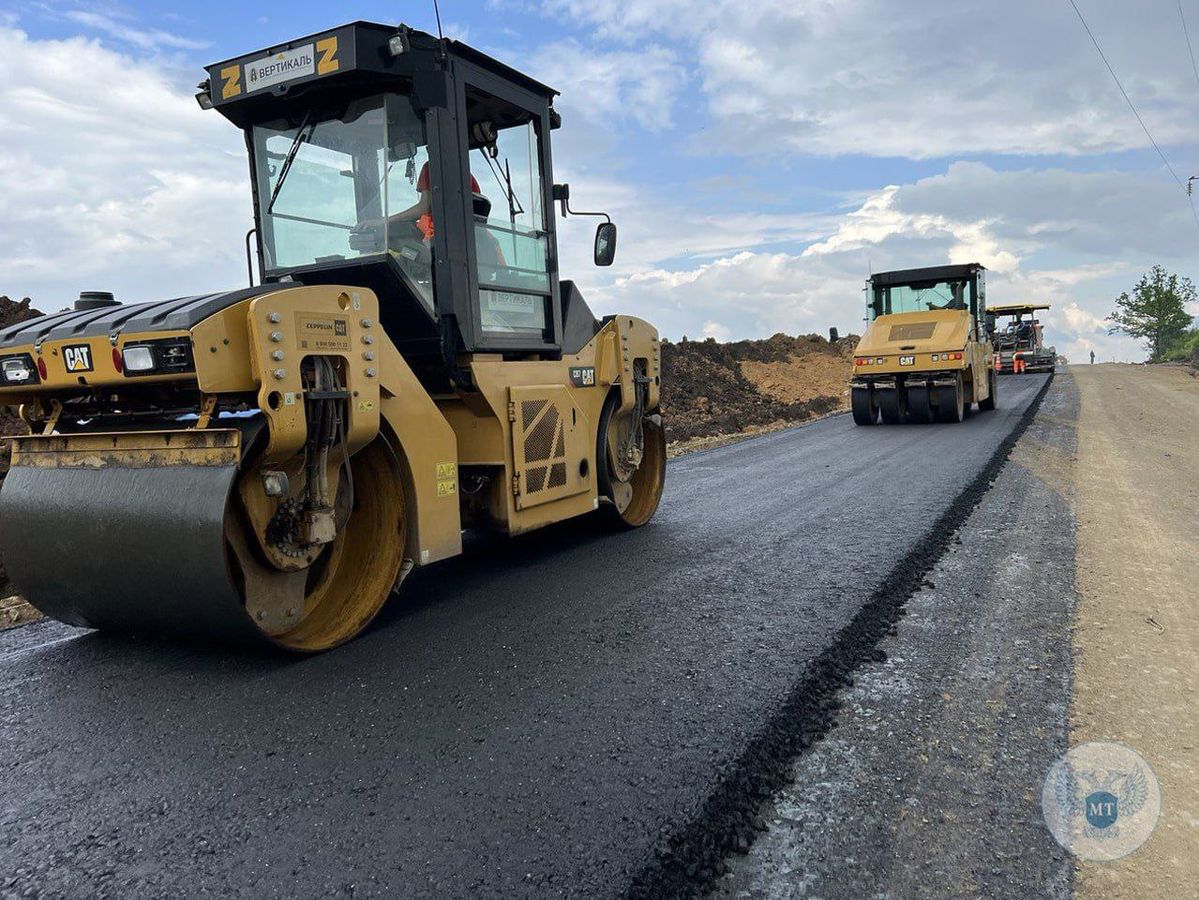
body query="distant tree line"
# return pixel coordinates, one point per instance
(1156, 313)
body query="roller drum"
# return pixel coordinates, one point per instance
(128, 549)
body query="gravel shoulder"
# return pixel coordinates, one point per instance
(1137, 638)
(929, 785)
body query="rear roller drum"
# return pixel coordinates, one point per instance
(865, 407)
(951, 406)
(920, 408)
(629, 488)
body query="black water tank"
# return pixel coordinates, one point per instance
(95, 300)
(832, 335)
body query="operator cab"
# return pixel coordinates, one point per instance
(960, 287)
(418, 168)
(1023, 329)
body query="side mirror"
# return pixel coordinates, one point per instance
(605, 244)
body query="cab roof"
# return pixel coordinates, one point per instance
(929, 273)
(1013, 309)
(346, 57)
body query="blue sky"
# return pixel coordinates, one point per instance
(760, 157)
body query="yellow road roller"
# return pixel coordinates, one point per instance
(269, 463)
(926, 354)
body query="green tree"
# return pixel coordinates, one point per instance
(1155, 312)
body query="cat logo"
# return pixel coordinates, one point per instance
(77, 357)
(582, 376)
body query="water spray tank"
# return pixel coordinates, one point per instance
(95, 300)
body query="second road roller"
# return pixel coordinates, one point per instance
(269, 463)
(927, 353)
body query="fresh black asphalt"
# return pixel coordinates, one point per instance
(542, 716)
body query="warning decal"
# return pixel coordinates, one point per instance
(447, 479)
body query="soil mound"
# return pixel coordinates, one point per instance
(12, 609)
(11, 313)
(711, 388)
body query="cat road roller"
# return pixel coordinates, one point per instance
(267, 464)
(926, 353)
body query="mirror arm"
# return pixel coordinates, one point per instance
(567, 211)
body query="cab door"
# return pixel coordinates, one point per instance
(513, 271)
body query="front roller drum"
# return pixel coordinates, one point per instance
(163, 549)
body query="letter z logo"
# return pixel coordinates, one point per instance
(328, 62)
(231, 78)
(77, 358)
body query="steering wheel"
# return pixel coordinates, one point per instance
(367, 237)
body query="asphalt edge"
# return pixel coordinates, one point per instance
(743, 438)
(688, 861)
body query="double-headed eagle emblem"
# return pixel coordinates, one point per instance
(1102, 797)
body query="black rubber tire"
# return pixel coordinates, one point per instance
(993, 383)
(893, 406)
(951, 406)
(865, 408)
(920, 408)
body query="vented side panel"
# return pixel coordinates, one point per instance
(548, 445)
(539, 441)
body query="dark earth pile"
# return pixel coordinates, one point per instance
(705, 392)
(11, 312)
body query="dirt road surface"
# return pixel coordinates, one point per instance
(1137, 637)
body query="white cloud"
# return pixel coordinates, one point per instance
(112, 178)
(924, 79)
(143, 39)
(1019, 224)
(609, 87)
(132, 188)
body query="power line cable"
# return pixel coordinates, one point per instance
(1145, 128)
(1194, 68)
(1127, 99)
(1190, 49)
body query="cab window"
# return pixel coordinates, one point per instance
(511, 238)
(347, 184)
